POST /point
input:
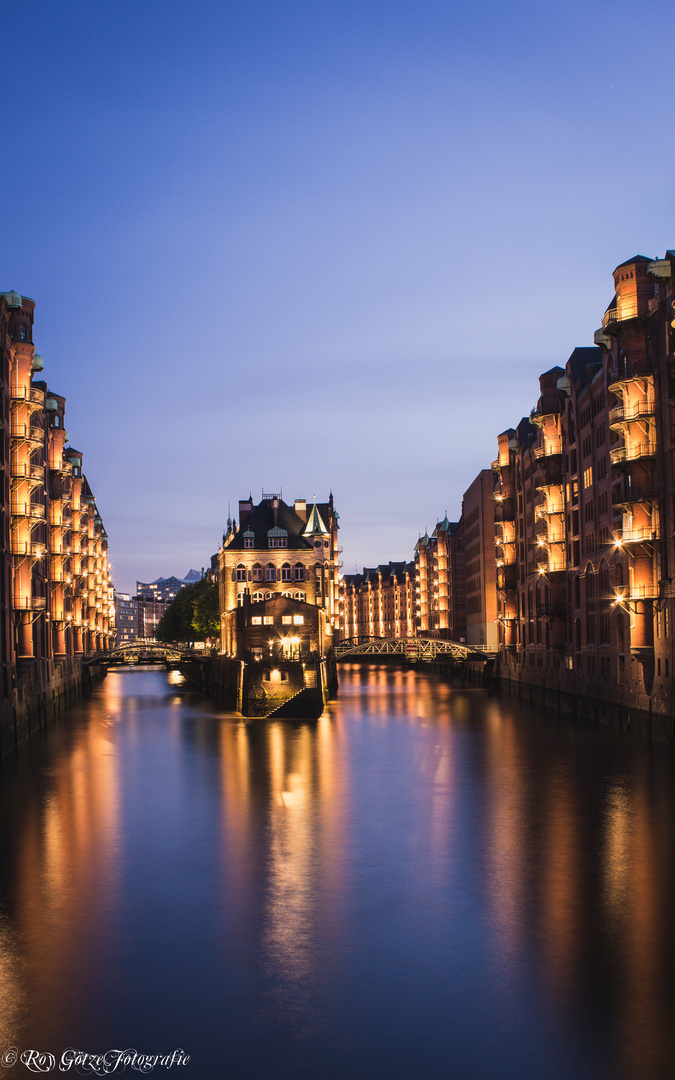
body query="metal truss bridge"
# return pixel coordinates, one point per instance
(141, 653)
(411, 648)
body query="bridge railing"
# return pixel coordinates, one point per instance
(413, 648)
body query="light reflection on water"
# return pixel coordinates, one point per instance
(427, 882)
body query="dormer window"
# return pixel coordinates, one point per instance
(249, 539)
(277, 538)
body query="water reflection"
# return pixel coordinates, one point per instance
(367, 895)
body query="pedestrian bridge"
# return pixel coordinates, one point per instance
(418, 648)
(145, 653)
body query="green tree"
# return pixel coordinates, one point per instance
(206, 616)
(192, 615)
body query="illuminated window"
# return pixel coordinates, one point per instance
(298, 620)
(256, 620)
(268, 620)
(287, 619)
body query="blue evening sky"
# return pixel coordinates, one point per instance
(290, 245)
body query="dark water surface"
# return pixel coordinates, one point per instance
(429, 882)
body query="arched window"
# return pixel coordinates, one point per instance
(241, 572)
(257, 572)
(603, 581)
(257, 597)
(287, 595)
(300, 596)
(299, 572)
(269, 596)
(590, 584)
(240, 599)
(270, 572)
(286, 572)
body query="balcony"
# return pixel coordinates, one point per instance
(622, 414)
(538, 416)
(30, 603)
(643, 592)
(23, 470)
(26, 432)
(57, 547)
(60, 577)
(625, 309)
(550, 448)
(640, 535)
(545, 510)
(32, 394)
(636, 493)
(33, 510)
(637, 368)
(622, 454)
(27, 548)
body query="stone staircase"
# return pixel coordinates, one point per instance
(306, 704)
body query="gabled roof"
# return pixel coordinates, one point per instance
(261, 521)
(581, 359)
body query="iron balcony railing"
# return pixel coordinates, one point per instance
(30, 603)
(549, 449)
(633, 452)
(33, 510)
(640, 535)
(25, 470)
(28, 548)
(634, 411)
(628, 309)
(32, 394)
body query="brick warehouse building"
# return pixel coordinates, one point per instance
(56, 595)
(380, 602)
(585, 520)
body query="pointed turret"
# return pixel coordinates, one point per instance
(315, 523)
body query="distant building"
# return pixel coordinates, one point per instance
(126, 618)
(166, 588)
(378, 603)
(440, 596)
(479, 561)
(148, 614)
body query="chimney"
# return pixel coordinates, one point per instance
(301, 509)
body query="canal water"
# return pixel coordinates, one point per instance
(430, 882)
